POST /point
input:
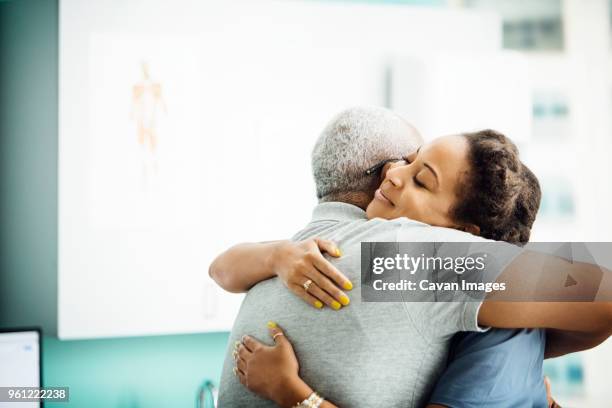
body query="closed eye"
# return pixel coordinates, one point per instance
(418, 183)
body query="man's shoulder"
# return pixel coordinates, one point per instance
(437, 234)
(376, 229)
(408, 229)
(379, 229)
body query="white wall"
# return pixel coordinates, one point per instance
(247, 86)
(448, 93)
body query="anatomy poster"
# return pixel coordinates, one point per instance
(145, 140)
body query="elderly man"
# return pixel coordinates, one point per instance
(380, 354)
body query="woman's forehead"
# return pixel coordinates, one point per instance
(447, 154)
(452, 147)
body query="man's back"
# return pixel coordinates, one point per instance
(366, 354)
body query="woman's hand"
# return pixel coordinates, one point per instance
(270, 371)
(302, 267)
(299, 265)
(551, 402)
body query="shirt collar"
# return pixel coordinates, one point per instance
(337, 211)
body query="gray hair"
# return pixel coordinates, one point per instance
(355, 140)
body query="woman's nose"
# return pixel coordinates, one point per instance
(394, 175)
(390, 165)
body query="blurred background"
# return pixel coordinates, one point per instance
(121, 122)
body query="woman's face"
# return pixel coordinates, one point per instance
(423, 186)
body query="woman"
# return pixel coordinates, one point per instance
(471, 182)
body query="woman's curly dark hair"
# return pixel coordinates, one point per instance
(499, 194)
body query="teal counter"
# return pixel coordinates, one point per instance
(155, 371)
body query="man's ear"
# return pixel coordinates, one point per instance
(471, 228)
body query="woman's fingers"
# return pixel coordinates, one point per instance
(268, 367)
(239, 353)
(549, 397)
(242, 352)
(326, 267)
(317, 297)
(277, 334)
(320, 294)
(329, 270)
(241, 376)
(241, 365)
(330, 290)
(306, 297)
(328, 246)
(250, 343)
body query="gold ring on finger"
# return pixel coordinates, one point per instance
(307, 284)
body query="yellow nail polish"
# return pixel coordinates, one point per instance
(271, 324)
(344, 300)
(348, 285)
(318, 304)
(338, 252)
(335, 305)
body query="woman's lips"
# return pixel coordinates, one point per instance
(378, 194)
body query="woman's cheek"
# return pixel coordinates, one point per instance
(407, 205)
(416, 208)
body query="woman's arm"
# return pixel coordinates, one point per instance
(562, 342)
(242, 266)
(295, 263)
(583, 306)
(272, 371)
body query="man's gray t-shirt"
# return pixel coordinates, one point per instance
(366, 354)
